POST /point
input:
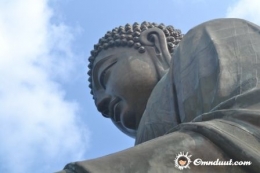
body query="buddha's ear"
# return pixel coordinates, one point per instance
(155, 37)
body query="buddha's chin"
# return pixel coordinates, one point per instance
(126, 124)
(128, 119)
(125, 130)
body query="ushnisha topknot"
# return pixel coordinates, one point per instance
(128, 36)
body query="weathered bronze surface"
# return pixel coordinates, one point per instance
(200, 97)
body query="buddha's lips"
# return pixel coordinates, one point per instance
(116, 116)
(112, 109)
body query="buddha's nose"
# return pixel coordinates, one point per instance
(102, 104)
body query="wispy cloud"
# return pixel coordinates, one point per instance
(39, 129)
(246, 9)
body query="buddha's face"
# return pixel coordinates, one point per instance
(123, 80)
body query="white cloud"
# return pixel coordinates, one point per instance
(245, 9)
(39, 129)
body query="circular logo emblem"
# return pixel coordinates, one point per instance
(182, 161)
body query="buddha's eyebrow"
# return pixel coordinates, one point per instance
(103, 73)
(108, 60)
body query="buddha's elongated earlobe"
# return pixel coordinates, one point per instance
(155, 37)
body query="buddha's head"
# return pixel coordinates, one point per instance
(125, 66)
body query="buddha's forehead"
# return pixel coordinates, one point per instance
(105, 56)
(116, 52)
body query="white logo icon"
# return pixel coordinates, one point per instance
(182, 161)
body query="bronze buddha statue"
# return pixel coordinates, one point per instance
(197, 93)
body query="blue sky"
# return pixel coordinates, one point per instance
(47, 116)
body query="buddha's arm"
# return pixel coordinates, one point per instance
(157, 156)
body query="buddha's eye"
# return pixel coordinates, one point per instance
(105, 75)
(102, 79)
